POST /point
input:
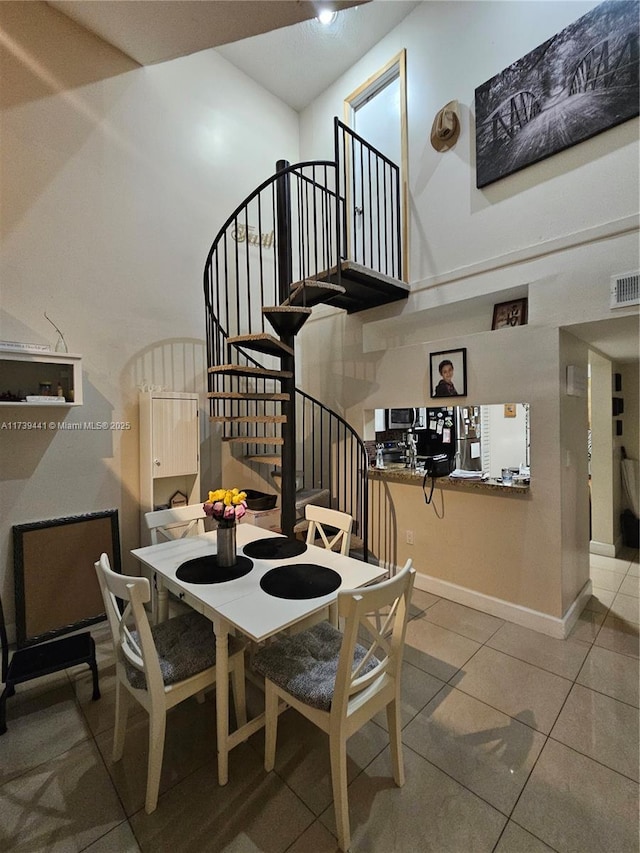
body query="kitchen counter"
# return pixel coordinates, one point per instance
(400, 473)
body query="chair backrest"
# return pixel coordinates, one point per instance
(130, 629)
(320, 517)
(176, 523)
(376, 619)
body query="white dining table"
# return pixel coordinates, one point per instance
(243, 606)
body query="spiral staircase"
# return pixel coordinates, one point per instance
(316, 232)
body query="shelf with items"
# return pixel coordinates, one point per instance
(44, 379)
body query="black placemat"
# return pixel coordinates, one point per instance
(207, 570)
(280, 548)
(300, 580)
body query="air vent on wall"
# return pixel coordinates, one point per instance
(624, 290)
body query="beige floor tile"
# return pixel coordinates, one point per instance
(634, 570)
(626, 607)
(40, 726)
(605, 579)
(431, 812)
(64, 804)
(576, 805)
(620, 565)
(302, 756)
(515, 839)
(611, 673)
(189, 744)
(587, 627)
(316, 839)
(100, 715)
(463, 620)
(436, 650)
(531, 695)
(418, 688)
(485, 750)
(420, 602)
(600, 598)
(119, 840)
(562, 657)
(600, 727)
(630, 586)
(255, 811)
(618, 635)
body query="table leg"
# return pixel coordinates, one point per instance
(222, 697)
(162, 600)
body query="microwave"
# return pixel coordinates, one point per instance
(401, 418)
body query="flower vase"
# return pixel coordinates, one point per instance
(226, 553)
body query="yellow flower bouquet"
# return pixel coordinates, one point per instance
(226, 505)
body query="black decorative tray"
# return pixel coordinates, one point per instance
(207, 570)
(300, 580)
(274, 548)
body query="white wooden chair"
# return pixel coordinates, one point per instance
(320, 517)
(340, 681)
(167, 524)
(176, 523)
(159, 666)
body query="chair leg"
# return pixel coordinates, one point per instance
(94, 673)
(8, 691)
(239, 691)
(395, 741)
(122, 710)
(157, 727)
(271, 725)
(338, 753)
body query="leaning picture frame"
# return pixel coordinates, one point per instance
(56, 587)
(448, 373)
(509, 314)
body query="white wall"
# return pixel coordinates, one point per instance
(115, 180)
(555, 232)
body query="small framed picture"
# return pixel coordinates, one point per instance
(512, 313)
(509, 410)
(448, 370)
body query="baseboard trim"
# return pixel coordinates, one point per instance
(552, 626)
(603, 549)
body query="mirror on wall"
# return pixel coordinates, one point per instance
(487, 438)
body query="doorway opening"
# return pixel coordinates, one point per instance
(377, 111)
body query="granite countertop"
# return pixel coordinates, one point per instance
(404, 474)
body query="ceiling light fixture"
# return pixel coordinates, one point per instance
(327, 16)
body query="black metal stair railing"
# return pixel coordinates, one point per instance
(370, 199)
(243, 275)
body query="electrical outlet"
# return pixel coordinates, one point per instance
(409, 537)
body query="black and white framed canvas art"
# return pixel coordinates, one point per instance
(578, 83)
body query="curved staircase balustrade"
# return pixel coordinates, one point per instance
(261, 276)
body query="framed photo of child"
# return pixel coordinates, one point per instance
(448, 373)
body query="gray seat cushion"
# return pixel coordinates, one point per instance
(305, 664)
(186, 645)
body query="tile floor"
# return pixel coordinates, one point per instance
(514, 743)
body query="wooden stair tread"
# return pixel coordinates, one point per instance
(262, 342)
(286, 320)
(263, 459)
(253, 439)
(246, 370)
(249, 419)
(312, 292)
(248, 395)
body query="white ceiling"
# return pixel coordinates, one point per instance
(253, 35)
(248, 33)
